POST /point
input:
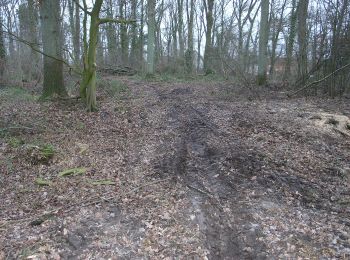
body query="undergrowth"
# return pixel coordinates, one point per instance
(14, 93)
(113, 88)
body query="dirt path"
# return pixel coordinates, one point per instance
(199, 171)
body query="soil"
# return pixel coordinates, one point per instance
(200, 170)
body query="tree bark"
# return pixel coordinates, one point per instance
(263, 40)
(123, 34)
(111, 37)
(209, 5)
(180, 27)
(2, 51)
(151, 5)
(189, 52)
(302, 40)
(88, 86)
(133, 51)
(290, 41)
(51, 37)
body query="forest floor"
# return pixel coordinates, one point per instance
(199, 170)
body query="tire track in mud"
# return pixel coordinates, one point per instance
(195, 163)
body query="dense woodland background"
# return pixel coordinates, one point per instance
(252, 41)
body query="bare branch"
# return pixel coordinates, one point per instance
(120, 21)
(34, 47)
(82, 7)
(319, 81)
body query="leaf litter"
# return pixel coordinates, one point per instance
(186, 171)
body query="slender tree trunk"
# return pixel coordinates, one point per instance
(263, 39)
(174, 33)
(33, 33)
(88, 86)
(290, 41)
(151, 5)
(51, 37)
(209, 5)
(180, 27)
(111, 37)
(141, 35)
(302, 40)
(76, 36)
(123, 33)
(133, 51)
(2, 51)
(275, 37)
(189, 52)
(74, 20)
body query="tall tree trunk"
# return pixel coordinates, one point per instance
(111, 37)
(180, 27)
(141, 35)
(151, 5)
(263, 40)
(290, 40)
(174, 33)
(51, 37)
(88, 86)
(123, 33)
(275, 37)
(302, 40)
(2, 51)
(74, 20)
(33, 37)
(133, 51)
(76, 37)
(209, 5)
(189, 52)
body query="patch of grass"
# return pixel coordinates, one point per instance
(16, 93)
(40, 153)
(179, 78)
(47, 151)
(15, 142)
(81, 125)
(114, 87)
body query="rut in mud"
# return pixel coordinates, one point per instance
(195, 162)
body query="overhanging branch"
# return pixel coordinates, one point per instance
(111, 20)
(319, 81)
(34, 47)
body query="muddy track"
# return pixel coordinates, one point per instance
(195, 162)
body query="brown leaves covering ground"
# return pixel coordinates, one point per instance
(198, 170)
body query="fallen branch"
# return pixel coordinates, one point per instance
(319, 81)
